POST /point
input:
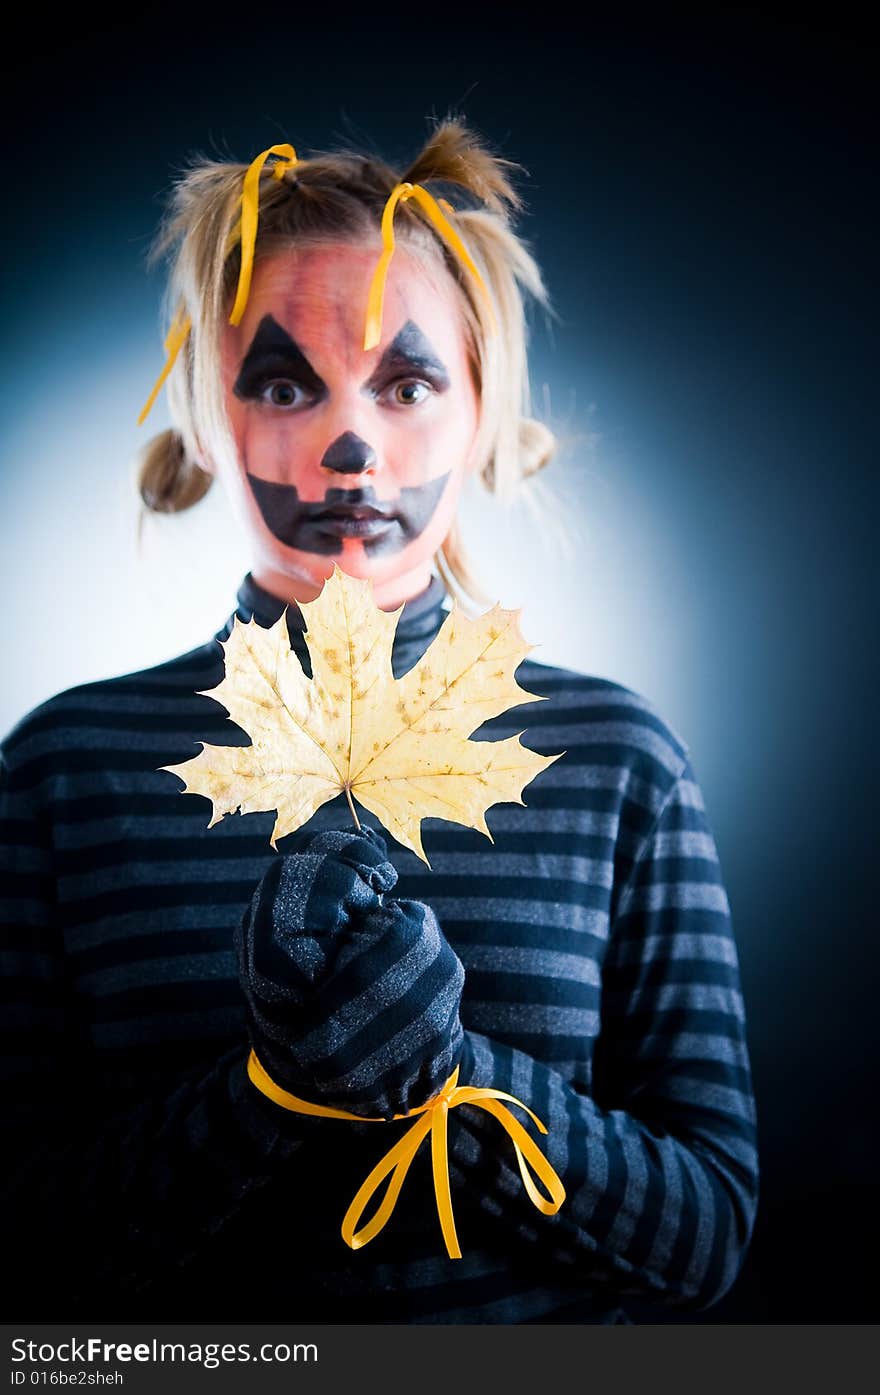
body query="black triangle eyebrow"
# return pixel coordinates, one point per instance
(273, 353)
(411, 352)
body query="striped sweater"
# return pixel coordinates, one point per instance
(146, 1178)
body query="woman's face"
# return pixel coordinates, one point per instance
(344, 456)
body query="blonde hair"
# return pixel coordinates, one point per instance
(339, 196)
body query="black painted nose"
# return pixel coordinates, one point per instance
(349, 455)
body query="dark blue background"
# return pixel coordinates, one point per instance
(700, 197)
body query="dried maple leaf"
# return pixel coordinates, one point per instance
(399, 746)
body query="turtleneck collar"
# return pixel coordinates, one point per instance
(419, 622)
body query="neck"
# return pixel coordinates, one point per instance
(388, 593)
(419, 622)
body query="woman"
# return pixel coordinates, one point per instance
(584, 961)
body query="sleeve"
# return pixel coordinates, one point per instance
(660, 1163)
(100, 1197)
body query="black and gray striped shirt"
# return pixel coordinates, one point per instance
(147, 1179)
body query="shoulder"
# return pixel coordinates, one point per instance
(102, 705)
(610, 732)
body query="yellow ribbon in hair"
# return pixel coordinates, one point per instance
(399, 194)
(245, 230)
(174, 339)
(250, 206)
(397, 1160)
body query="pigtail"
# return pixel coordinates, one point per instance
(455, 154)
(168, 480)
(537, 445)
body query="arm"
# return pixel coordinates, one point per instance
(105, 1188)
(660, 1164)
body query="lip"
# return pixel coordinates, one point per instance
(353, 511)
(353, 523)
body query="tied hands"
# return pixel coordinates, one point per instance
(352, 996)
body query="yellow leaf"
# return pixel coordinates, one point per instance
(398, 746)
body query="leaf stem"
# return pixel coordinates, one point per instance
(351, 807)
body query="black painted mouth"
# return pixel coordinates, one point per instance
(320, 525)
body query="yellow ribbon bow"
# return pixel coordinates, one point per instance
(245, 230)
(399, 194)
(397, 1160)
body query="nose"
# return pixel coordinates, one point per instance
(349, 455)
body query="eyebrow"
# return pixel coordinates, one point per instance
(274, 353)
(411, 351)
